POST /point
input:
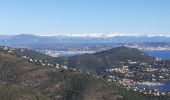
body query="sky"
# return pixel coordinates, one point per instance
(84, 16)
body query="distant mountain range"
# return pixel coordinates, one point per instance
(26, 39)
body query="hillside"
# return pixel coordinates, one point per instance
(48, 82)
(33, 54)
(29, 53)
(105, 59)
(123, 54)
(57, 84)
(8, 92)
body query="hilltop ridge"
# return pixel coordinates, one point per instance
(105, 59)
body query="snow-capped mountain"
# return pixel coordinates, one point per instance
(100, 35)
(91, 38)
(91, 35)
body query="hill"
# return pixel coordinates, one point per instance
(33, 54)
(54, 83)
(28, 53)
(105, 59)
(8, 92)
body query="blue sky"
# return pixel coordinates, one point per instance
(85, 16)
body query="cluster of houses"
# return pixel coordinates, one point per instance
(123, 69)
(147, 73)
(45, 63)
(145, 91)
(56, 53)
(128, 84)
(6, 49)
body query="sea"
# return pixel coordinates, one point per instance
(165, 87)
(163, 54)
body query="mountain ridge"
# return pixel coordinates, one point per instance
(94, 35)
(27, 39)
